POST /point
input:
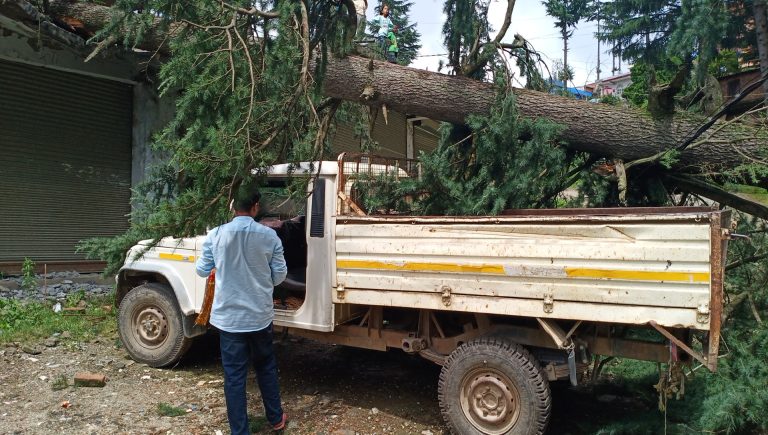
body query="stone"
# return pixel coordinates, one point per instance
(86, 379)
(374, 411)
(32, 350)
(51, 342)
(426, 432)
(607, 398)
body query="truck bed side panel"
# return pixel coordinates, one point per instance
(615, 270)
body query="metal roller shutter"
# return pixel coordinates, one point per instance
(65, 145)
(391, 136)
(424, 140)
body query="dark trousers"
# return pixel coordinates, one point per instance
(238, 350)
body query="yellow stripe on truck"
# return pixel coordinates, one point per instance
(497, 269)
(176, 257)
(638, 275)
(421, 267)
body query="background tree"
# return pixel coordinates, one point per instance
(567, 14)
(639, 29)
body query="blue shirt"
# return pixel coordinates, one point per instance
(383, 23)
(249, 263)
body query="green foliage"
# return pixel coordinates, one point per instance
(28, 279)
(167, 410)
(736, 397)
(75, 297)
(642, 73)
(11, 314)
(639, 29)
(714, 36)
(507, 162)
(725, 62)
(611, 100)
(504, 161)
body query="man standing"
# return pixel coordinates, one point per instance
(248, 258)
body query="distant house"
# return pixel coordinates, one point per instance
(75, 138)
(732, 84)
(559, 87)
(610, 86)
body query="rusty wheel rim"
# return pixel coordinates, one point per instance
(490, 400)
(151, 326)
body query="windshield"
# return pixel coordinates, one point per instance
(282, 199)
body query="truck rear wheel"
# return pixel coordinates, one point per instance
(150, 325)
(489, 386)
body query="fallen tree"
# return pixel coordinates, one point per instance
(607, 130)
(614, 132)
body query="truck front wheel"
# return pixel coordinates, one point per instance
(489, 386)
(150, 325)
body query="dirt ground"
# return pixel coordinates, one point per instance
(325, 389)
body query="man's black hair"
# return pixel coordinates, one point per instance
(246, 198)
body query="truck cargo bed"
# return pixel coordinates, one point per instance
(662, 265)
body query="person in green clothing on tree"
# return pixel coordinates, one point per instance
(392, 49)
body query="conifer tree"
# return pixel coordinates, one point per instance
(466, 26)
(567, 14)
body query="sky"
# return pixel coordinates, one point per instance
(529, 19)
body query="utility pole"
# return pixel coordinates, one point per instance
(598, 41)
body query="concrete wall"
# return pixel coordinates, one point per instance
(151, 113)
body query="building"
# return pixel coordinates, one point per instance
(732, 84)
(614, 85)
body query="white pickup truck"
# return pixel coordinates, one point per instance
(504, 303)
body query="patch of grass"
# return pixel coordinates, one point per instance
(31, 320)
(28, 279)
(167, 410)
(635, 379)
(60, 383)
(257, 424)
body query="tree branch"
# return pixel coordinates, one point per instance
(705, 126)
(715, 193)
(252, 11)
(483, 60)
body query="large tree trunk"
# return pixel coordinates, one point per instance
(611, 131)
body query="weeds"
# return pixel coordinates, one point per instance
(74, 298)
(27, 321)
(28, 279)
(167, 410)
